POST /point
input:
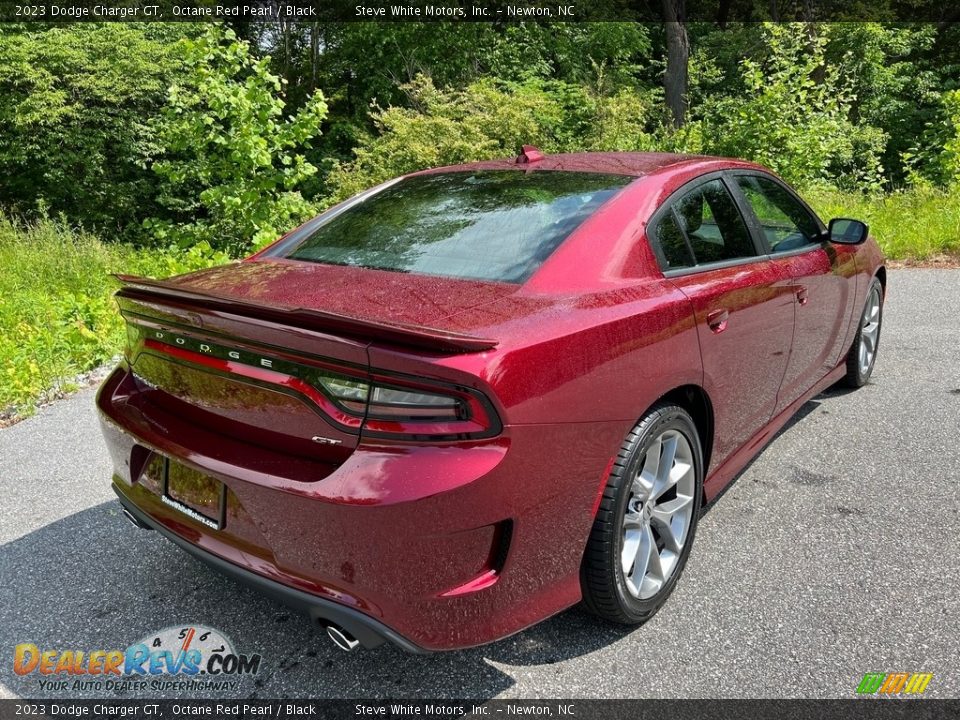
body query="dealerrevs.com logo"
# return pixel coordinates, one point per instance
(176, 658)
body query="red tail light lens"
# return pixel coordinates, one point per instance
(416, 413)
(380, 406)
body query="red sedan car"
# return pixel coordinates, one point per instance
(474, 396)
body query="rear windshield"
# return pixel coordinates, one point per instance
(490, 225)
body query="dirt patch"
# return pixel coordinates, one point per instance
(937, 262)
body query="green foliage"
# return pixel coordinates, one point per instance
(895, 86)
(793, 116)
(792, 110)
(231, 161)
(892, 73)
(443, 127)
(918, 224)
(489, 119)
(57, 315)
(950, 157)
(364, 63)
(569, 52)
(75, 101)
(936, 157)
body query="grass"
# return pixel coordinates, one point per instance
(58, 320)
(916, 225)
(57, 315)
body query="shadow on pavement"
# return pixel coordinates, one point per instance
(91, 581)
(804, 410)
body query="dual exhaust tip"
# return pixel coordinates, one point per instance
(135, 521)
(342, 639)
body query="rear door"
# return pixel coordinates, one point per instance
(743, 305)
(822, 277)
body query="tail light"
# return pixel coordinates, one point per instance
(391, 410)
(379, 406)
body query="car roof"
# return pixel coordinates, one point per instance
(634, 164)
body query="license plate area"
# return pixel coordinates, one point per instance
(194, 494)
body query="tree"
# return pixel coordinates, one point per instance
(74, 105)
(785, 119)
(232, 162)
(675, 78)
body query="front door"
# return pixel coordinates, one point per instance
(822, 276)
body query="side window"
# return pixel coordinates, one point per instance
(786, 223)
(703, 226)
(670, 237)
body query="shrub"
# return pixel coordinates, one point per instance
(936, 157)
(73, 118)
(231, 163)
(57, 314)
(950, 157)
(794, 117)
(490, 119)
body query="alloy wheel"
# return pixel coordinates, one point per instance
(658, 514)
(869, 331)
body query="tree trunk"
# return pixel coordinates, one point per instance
(678, 55)
(314, 54)
(286, 51)
(723, 12)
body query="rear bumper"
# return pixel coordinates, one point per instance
(368, 631)
(431, 547)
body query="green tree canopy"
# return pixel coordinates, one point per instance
(231, 158)
(75, 106)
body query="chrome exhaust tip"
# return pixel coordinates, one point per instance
(133, 520)
(342, 639)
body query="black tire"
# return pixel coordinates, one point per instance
(857, 376)
(602, 578)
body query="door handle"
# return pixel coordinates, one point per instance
(801, 295)
(717, 320)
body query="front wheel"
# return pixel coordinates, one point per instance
(645, 525)
(863, 352)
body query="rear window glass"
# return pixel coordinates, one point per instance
(490, 225)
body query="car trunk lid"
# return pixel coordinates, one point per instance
(251, 350)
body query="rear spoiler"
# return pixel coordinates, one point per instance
(424, 338)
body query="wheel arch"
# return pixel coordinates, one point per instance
(695, 400)
(603, 587)
(881, 275)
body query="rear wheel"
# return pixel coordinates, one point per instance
(645, 525)
(863, 352)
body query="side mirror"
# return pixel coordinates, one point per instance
(847, 232)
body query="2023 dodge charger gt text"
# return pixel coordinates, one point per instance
(468, 398)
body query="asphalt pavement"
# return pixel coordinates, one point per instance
(836, 553)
